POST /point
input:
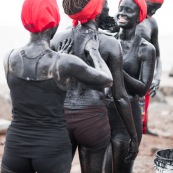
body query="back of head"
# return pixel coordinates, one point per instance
(82, 10)
(40, 15)
(153, 6)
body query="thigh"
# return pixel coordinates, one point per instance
(60, 163)
(92, 160)
(11, 164)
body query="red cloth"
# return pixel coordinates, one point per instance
(145, 116)
(89, 12)
(156, 1)
(39, 15)
(142, 7)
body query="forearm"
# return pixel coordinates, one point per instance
(99, 63)
(135, 85)
(124, 109)
(158, 70)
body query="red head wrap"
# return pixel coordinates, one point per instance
(89, 12)
(39, 15)
(142, 7)
(156, 1)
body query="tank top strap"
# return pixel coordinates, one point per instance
(29, 65)
(8, 63)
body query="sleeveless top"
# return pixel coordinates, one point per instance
(81, 96)
(38, 127)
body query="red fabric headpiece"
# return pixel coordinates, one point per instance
(89, 12)
(39, 15)
(142, 7)
(156, 1)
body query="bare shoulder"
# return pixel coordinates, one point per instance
(153, 23)
(109, 45)
(60, 36)
(10, 57)
(109, 40)
(146, 49)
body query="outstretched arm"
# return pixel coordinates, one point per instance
(141, 86)
(72, 66)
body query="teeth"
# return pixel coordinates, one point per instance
(122, 19)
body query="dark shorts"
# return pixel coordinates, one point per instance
(60, 163)
(89, 127)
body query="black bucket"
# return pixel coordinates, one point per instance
(164, 161)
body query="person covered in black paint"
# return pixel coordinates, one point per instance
(37, 139)
(138, 64)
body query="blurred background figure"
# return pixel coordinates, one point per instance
(148, 30)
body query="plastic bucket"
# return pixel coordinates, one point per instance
(164, 161)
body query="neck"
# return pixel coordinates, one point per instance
(40, 39)
(127, 34)
(91, 25)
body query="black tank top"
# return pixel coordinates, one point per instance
(38, 127)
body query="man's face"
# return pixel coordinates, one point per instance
(128, 14)
(152, 8)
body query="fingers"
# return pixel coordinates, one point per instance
(152, 92)
(131, 157)
(66, 46)
(59, 46)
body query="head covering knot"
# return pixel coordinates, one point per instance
(92, 9)
(39, 15)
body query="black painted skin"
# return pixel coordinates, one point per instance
(110, 51)
(138, 75)
(58, 65)
(66, 65)
(148, 30)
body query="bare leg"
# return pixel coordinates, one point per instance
(91, 160)
(107, 165)
(120, 152)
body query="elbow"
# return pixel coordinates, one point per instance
(110, 81)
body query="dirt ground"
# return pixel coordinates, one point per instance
(160, 122)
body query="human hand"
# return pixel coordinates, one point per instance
(92, 44)
(154, 87)
(133, 150)
(65, 46)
